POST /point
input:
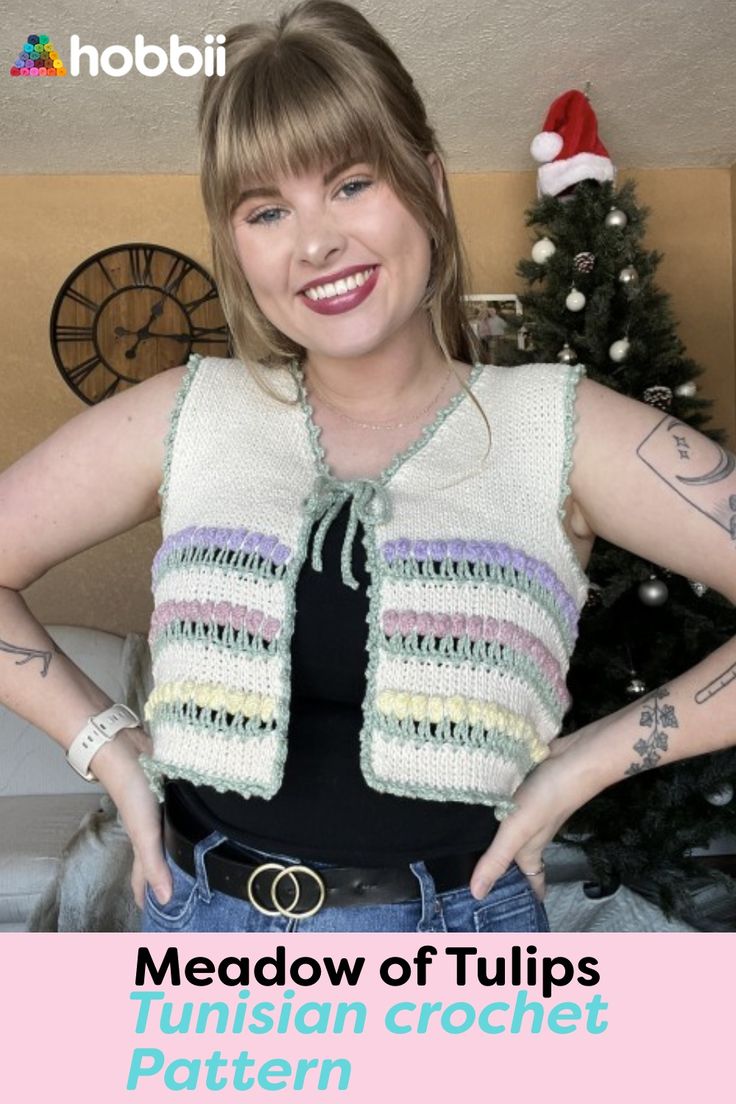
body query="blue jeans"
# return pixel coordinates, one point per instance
(511, 906)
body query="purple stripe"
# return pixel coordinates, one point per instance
(268, 547)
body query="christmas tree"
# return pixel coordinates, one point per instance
(591, 297)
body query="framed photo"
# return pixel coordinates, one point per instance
(489, 317)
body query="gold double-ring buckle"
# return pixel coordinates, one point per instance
(286, 872)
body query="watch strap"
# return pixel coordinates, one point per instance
(98, 731)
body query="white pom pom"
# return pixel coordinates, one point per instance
(546, 146)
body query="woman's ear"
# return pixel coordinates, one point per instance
(438, 172)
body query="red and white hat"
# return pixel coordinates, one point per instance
(569, 146)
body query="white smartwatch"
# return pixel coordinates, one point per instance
(98, 731)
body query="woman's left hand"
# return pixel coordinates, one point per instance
(544, 801)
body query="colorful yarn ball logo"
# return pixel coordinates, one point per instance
(38, 58)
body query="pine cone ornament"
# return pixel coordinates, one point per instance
(659, 396)
(583, 262)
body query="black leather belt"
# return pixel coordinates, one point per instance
(298, 890)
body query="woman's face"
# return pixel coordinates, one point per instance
(334, 260)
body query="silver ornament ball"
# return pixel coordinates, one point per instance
(687, 390)
(619, 351)
(636, 688)
(575, 300)
(567, 355)
(616, 219)
(629, 277)
(721, 795)
(543, 250)
(653, 591)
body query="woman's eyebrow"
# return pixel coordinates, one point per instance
(268, 190)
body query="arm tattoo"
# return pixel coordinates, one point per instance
(712, 688)
(650, 452)
(656, 718)
(29, 653)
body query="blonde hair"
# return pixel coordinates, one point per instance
(318, 87)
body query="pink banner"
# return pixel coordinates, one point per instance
(396, 1017)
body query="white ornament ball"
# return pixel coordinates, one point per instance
(616, 219)
(687, 390)
(575, 300)
(619, 350)
(543, 250)
(722, 795)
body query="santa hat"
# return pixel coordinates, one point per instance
(569, 146)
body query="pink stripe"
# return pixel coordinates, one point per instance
(222, 613)
(488, 629)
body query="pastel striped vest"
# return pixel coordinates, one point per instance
(474, 598)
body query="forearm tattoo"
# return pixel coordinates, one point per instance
(667, 452)
(30, 653)
(655, 717)
(719, 683)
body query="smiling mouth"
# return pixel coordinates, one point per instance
(339, 287)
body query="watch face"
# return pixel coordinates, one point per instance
(132, 311)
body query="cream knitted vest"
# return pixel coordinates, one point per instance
(473, 604)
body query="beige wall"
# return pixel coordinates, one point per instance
(54, 222)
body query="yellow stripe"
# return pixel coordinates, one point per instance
(212, 696)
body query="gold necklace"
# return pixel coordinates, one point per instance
(382, 425)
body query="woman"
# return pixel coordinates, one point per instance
(374, 549)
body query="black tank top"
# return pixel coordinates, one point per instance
(324, 809)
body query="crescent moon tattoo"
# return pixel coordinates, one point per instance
(724, 467)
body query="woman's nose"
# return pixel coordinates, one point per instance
(318, 239)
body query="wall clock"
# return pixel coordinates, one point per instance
(132, 311)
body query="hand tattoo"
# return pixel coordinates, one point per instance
(655, 717)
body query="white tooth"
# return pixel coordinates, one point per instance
(312, 293)
(321, 292)
(329, 290)
(359, 278)
(351, 284)
(341, 286)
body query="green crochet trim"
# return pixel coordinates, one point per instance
(251, 564)
(231, 642)
(186, 382)
(157, 772)
(479, 652)
(398, 461)
(460, 736)
(183, 713)
(574, 374)
(501, 803)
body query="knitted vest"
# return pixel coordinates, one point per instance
(474, 598)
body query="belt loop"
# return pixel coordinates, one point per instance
(431, 918)
(201, 850)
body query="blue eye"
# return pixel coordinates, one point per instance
(355, 187)
(263, 217)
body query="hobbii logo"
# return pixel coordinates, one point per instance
(117, 61)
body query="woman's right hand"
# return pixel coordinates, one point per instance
(117, 767)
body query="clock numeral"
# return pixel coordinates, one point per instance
(215, 333)
(195, 304)
(81, 300)
(177, 273)
(140, 260)
(111, 389)
(107, 275)
(74, 333)
(80, 372)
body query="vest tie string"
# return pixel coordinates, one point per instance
(369, 502)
